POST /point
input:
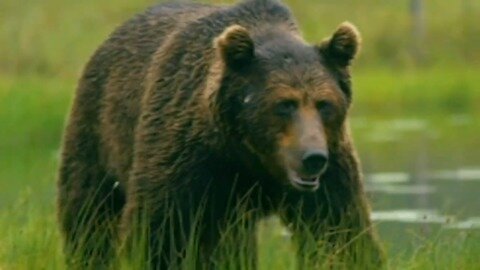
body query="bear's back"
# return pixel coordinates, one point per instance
(120, 66)
(168, 43)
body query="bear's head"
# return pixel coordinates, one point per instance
(282, 101)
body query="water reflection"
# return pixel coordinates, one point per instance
(410, 216)
(401, 189)
(460, 119)
(471, 223)
(462, 174)
(422, 175)
(388, 178)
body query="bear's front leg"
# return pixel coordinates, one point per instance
(237, 246)
(332, 226)
(189, 232)
(156, 235)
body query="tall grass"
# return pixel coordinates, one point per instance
(29, 240)
(32, 114)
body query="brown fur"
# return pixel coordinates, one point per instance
(174, 111)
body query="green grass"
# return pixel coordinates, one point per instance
(29, 240)
(44, 44)
(32, 115)
(55, 37)
(405, 92)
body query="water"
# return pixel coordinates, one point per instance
(422, 175)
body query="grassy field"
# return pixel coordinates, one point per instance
(44, 44)
(55, 37)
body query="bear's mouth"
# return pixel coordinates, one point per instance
(310, 183)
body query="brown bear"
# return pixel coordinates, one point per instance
(192, 122)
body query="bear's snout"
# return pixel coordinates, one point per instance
(314, 162)
(304, 171)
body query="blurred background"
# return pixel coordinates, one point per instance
(415, 118)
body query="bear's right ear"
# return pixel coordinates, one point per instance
(236, 47)
(342, 47)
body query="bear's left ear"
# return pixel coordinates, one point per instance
(342, 47)
(236, 47)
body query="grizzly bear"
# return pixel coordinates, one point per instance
(192, 122)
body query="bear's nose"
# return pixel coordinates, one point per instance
(314, 161)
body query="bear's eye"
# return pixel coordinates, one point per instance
(286, 107)
(326, 109)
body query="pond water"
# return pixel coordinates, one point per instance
(422, 175)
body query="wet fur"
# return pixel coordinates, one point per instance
(153, 127)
